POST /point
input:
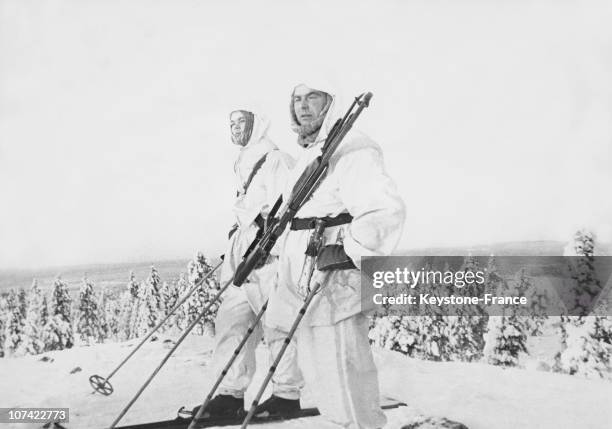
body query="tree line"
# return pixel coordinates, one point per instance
(586, 341)
(33, 322)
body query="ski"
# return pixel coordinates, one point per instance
(182, 423)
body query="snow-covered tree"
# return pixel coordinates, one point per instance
(108, 315)
(586, 353)
(126, 305)
(149, 306)
(22, 298)
(197, 269)
(87, 323)
(130, 307)
(505, 340)
(4, 312)
(538, 303)
(13, 333)
(432, 325)
(169, 298)
(434, 337)
(182, 314)
(14, 325)
(133, 285)
(586, 339)
(398, 333)
(59, 332)
(506, 336)
(33, 342)
(44, 311)
(466, 331)
(587, 286)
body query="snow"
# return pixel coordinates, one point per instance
(480, 396)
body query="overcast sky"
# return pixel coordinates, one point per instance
(495, 117)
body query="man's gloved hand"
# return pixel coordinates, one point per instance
(262, 262)
(333, 257)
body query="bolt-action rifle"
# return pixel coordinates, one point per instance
(313, 175)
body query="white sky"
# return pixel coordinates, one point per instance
(495, 117)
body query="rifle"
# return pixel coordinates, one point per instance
(260, 248)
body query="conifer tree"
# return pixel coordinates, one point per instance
(3, 321)
(87, 324)
(13, 333)
(108, 315)
(13, 329)
(169, 298)
(466, 331)
(182, 314)
(133, 285)
(33, 342)
(197, 269)
(586, 338)
(59, 332)
(149, 306)
(126, 304)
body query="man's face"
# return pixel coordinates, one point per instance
(308, 104)
(237, 124)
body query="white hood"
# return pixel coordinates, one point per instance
(258, 145)
(337, 109)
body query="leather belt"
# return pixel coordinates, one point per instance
(299, 224)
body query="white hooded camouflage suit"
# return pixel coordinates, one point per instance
(240, 305)
(333, 338)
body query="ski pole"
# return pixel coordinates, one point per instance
(101, 384)
(200, 412)
(280, 354)
(165, 359)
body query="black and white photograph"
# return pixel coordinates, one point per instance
(305, 214)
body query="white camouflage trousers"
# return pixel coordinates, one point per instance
(234, 317)
(339, 366)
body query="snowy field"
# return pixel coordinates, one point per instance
(481, 396)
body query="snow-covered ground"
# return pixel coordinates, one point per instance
(481, 396)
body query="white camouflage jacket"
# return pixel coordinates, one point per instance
(356, 183)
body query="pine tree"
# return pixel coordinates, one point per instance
(506, 340)
(433, 328)
(13, 330)
(182, 314)
(149, 307)
(587, 286)
(44, 311)
(538, 303)
(33, 342)
(506, 336)
(201, 298)
(59, 332)
(87, 324)
(398, 333)
(4, 313)
(13, 333)
(586, 339)
(126, 303)
(585, 351)
(108, 317)
(129, 308)
(466, 331)
(169, 298)
(133, 285)
(23, 303)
